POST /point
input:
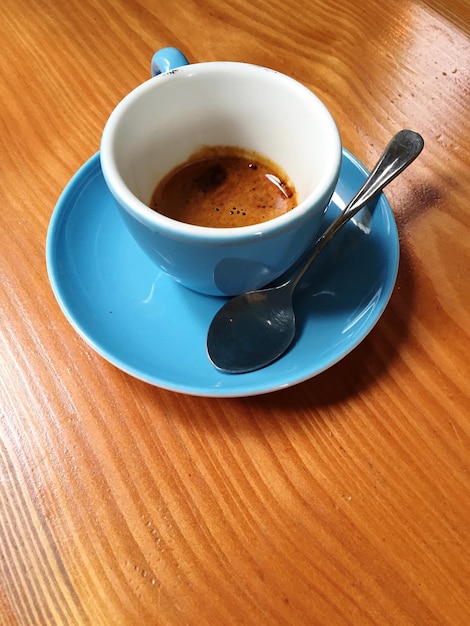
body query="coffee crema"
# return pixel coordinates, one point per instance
(224, 187)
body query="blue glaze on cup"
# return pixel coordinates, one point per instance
(167, 59)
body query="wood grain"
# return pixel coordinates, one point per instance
(344, 500)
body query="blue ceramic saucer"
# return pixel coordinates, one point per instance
(140, 320)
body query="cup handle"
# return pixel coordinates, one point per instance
(167, 59)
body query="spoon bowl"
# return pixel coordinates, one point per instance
(257, 328)
(254, 329)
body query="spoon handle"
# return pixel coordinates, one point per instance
(404, 147)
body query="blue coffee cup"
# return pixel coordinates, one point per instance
(162, 122)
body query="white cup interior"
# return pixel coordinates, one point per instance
(162, 122)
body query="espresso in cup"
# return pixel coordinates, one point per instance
(224, 187)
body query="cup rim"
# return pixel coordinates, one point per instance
(231, 235)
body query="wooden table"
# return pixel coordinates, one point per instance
(342, 500)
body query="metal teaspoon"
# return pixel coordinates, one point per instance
(255, 328)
